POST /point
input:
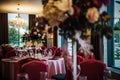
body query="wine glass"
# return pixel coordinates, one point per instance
(31, 53)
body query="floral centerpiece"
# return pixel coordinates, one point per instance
(35, 34)
(75, 17)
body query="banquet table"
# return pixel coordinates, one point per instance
(9, 67)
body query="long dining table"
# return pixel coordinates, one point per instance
(10, 67)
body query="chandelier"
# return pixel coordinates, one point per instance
(17, 22)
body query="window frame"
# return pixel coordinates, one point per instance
(110, 43)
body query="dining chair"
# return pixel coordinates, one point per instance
(57, 52)
(79, 59)
(81, 53)
(24, 61)
(10, 53)
(33, 68)
(93, 69)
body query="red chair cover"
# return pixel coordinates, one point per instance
(43, 47)
(1, 53)
(69, 74)
(33, 68)
(79, 59)
(81, 53)
(92, 56)
(86, 56)
(10, 53)
(22, 62)
(93, 69)
(57, 52)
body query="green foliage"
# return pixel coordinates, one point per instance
(118, 24)
(13, 36)
(101, 27)
(116, 34)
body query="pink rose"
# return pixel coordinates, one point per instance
(92, 14)
(35, 33)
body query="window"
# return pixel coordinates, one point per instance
(116, 32)
(14, 33)
(113, 45)
(116, 38)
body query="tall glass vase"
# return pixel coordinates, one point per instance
(74, 53)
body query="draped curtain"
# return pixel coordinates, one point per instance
(55, 36)
(3, 28)
(31, 21)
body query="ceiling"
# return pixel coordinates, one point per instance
(25, 6)
(32, 6)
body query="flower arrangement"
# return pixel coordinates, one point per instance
(75, 17)
(35, 34)
(72, 16)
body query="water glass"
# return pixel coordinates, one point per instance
(22, 76)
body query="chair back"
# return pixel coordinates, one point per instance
(33, 68)
(69, 75)
(10, 53)
(81, 53)
(24, 61)
(57, 52)
(79, 59)
(93, 69)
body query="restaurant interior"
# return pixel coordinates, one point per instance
(59, 39)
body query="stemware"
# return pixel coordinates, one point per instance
(20, 54)
(31, 53)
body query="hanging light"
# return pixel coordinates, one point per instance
(17, 22)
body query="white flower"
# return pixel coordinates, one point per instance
(38, 30)
(63, 5)
(39, 34)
